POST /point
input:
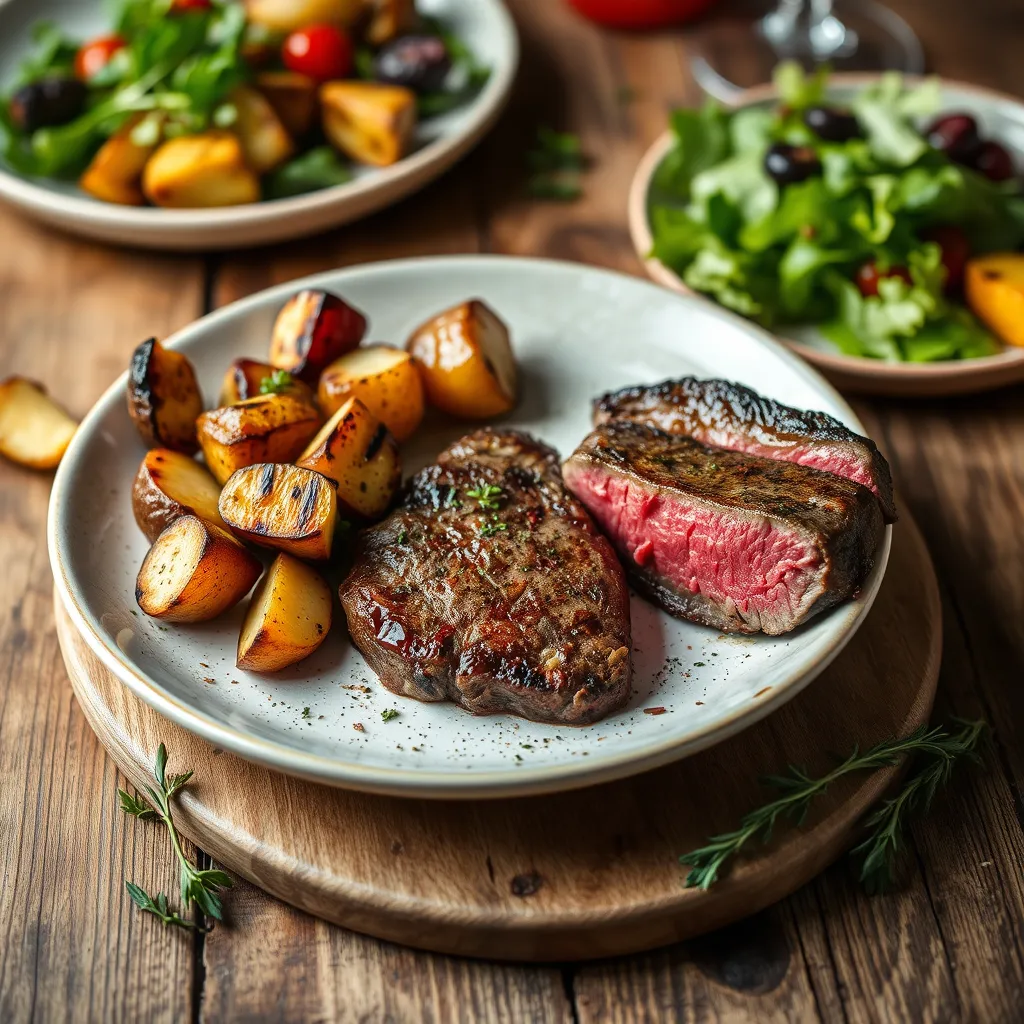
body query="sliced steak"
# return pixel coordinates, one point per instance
(491, 587)
(723, 538)
(731, 416)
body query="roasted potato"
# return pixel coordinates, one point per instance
(284, 507)
(390, 18)
(466, 361)
(193, 572)
(369, 121)
(384, 379)
(358, 453)
(269, 428)
(289, 15)
(265, 140)
(313, 329)
(293, 97)
(163, 397)
(994, 286)
(115, 173)
(202, 170)
(34, 430)
(245, 378)
(289, 617)
(170, 485)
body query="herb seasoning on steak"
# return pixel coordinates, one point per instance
(490, 586)
(726, 539)
(727, 415)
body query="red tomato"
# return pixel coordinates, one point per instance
(191, 5)
(640, 13)
(956, 251)
(868, 277)
(95, 55)
(323, 52)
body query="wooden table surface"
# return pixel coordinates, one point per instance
(948, 945)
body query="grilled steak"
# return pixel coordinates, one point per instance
(723, 538)
(491, 587)
(730, 416)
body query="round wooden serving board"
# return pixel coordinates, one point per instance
(583, 874)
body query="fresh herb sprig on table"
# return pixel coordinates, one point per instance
(557, 163)
(202, 887)
(937, 748)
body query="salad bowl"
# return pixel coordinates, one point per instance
(1001, 118)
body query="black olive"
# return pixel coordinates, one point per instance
(421, 63)
(789, 164)
(47, 103)
(832, 124)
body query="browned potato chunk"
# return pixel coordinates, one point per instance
(115, 174)
(358, 453)
(289, 15)
(466, 360)
(384, 379)
(34, 430)
(193, 572)
(369, 121)
(390, 18)
(270, 428)
(163, 397)
(284, 507)
(288, 617)
(204, 170)
(313, 329)
(170, 485)
(248, 378)
(293, 97)
(265, 141)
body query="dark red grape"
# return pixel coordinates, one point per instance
(789, 164)
(420, 63)
(994, 162)
(47, 103)
(956, 135)
(832, 124)
(956, 250)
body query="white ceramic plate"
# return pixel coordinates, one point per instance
(484, 25)
(1001, 117)
(577, 331)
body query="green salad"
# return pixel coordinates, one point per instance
(855, 219)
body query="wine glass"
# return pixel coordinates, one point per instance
(742, 46)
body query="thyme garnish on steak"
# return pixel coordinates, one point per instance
(488, 496)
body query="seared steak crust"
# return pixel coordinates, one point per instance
(718, 412)
(491, 587)
(729, 540)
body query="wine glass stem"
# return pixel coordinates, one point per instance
(808, 29)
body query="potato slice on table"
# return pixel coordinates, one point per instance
(248, 378)
(163, 397)
(369, 121)
(293, 97)
(268, 428)
(289, 15)
(204, 170)
(388, 19)
(193, 572)
(313, 329)
(34, 430)
(384, 379)
(170, 485)
(357, 453)
(289, 617)
(994, 286)
(284, 507)
(265, 140)
(466, 361)
(115, 173)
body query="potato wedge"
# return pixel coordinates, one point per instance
(390, 18)
(384, 379)
(313, 329)
(194, 571)
(294, 99)
(466, 361)
(163, 397)
(265, 140)
(994, 286)
(115, 173)
(283, 507)
(170, 485)
(289, 15)
(269, 428)
(34, 430)
(369, 121)
(289, 617)
(204, 170)
(245, 378)
(357, 452)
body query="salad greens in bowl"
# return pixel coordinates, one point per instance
(875, 223)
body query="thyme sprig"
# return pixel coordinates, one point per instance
(488, 496)
(276, 383)
(939, 748)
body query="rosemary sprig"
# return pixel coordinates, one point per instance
(879, 849)
(198, 886)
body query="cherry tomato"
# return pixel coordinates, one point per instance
(956, 251)
(94, 56)
(323, 52)
(191, 5)
(869, 275)
(640, 13)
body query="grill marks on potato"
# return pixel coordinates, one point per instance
(164, 399)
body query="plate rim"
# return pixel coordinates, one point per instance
(496, 783)
(946, 377)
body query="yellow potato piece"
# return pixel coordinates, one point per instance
(34, 430)
(170, 485)
(163, 397)
(204, 170)
(245, 377)
(289, 15)
(293, 97)
(265, 141)
(115, 173)
(289, 617)
(369, 121)
(994, 286)
(388, 19)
